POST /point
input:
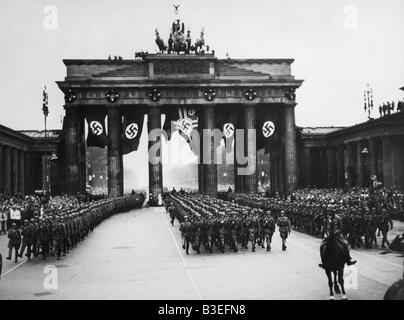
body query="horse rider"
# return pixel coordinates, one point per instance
(284, 228)
(333, 228)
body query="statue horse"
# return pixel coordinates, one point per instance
(160, 43)
(334, 262)
(199, 43)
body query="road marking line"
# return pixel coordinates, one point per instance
(18, 265)
(182, 257)
(354, 250)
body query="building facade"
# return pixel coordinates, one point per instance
(360, 155)
(28, 161)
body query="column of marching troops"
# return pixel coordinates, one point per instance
(246, 218)
(364, 214)
(209, 222)
(60, 230)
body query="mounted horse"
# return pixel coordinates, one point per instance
(396, 290)
(334, 259)
(199, 43)
(160, 43)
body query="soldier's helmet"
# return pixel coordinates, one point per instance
(14, 225)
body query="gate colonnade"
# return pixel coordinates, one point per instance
(255, 89)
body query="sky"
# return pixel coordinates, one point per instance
(339, 46)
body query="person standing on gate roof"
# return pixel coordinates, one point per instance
(284, 228)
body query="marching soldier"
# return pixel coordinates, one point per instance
(284, 228)
(28, 237)
(186, 234)
(269, 229)
(14, 242)
(386, 224)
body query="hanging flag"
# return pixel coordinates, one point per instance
(268, 128)
(170, 120)
(226, 121)
(97, 135)
(132, 131)
(187, 125)
(45, 108)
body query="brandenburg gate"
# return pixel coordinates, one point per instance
(243, 93)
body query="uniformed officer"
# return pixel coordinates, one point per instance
(284, 228)
(27, 239)
(14, 242)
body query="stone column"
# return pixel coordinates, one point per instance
(238, 179)
(307, 167)
(290, 155)
(209, 169)
(250, 181)
(7, 169)
(331, 166)
(81, 159)
(387, 162)
(360, 157)
(373, 152)
(21, 172)
(115, 161)
(14, 170)
(72, 139)
(1, 170)
(398, 161)
(340, 166)
(274, 171)
(45, 173)
(350, 170)
(155, 155)
(201, 186)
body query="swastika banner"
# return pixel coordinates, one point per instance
(226, 121)
(97, 135)
(132, 131)
(268, 128)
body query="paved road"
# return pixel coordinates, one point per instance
(138, 255)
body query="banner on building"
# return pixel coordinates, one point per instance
(97, 135)
(132, 131)
(185, 121)
(268, 128)
(226, 122)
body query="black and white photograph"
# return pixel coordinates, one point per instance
(203, 155)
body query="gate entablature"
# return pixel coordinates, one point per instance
(179, 79)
